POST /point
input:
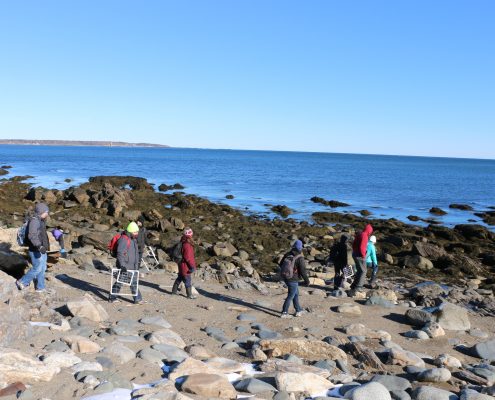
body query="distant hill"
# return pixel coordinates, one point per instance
(77, 143)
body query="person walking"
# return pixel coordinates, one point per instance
(38, 243)
(292, 269)
(339, 258)
(58, 234)
(371, 260)
(187, 263)
(142, 238)
(128, 259)
(359, 247)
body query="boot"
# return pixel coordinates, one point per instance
(189, 293)
(175, 287)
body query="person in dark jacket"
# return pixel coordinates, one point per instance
(339, 258)
(142, 238)
(128, 259)
(293, 282)
(38, 243)
(187, 265)
(359, 247)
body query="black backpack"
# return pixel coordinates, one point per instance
(177, 253)
(287, 266)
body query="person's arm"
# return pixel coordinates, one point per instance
(122, 250)
(302, 270)
(34, 233)
(188, 256)
(373, 255)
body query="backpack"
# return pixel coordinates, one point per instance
(22, 234)
(112, 246)
(177, 253)
(288, 265)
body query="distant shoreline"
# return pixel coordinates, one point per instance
(94, 143)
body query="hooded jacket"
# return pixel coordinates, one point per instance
(36, 229)
(188, 263)
(338, 253)
(361, 242)
(371, 254)
(127, 252)
(299, 267)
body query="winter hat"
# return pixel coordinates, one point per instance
(41, 208)
(188, 232)
(132, 227)
(373, 239)
(298, 245)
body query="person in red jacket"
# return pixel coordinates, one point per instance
(359, 255)
(187, 264)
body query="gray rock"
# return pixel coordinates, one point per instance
(252, 385)
(347, 387)
(156, 320)
(293, 359)
(415, 334)
(484, 372)
(484, 350)
(329, 365)
(152, 356)
(105, 362)
(246, 317)
(230, 346)
(432, 393)
(435, 375)
(357, 339)
(453, 317)
(413, 370)
(266, 334)
(241, 329)
(371, 390)
(56, 345)
(478, 333)
(170, 353)
(470, 394)
(418, 317)
(392, 382)
(400, 395)
(379, 301)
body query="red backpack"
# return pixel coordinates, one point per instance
(112, 246)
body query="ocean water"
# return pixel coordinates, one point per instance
(387, 186)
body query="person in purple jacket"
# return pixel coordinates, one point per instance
(58, 234)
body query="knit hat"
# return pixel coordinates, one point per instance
(41, 208)
(132, 227)
(373, 239)
(298, 245)
(188, 232)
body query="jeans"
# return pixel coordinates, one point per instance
(134, 286)
(360, 277)
(292, 296)
(186, 279)
(37, 271)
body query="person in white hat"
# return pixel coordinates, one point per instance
(371, 261)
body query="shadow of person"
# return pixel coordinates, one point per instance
(84, 286)
(237, 301)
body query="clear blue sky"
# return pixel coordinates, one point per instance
(387, 77)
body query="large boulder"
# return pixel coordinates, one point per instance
(209, 386)
(417, 317)
(99, 240)
(371, 390)
(16, 366)
(166, 336)
(302, 382)
(88, 308)
(416, 261)
(12, 263)
(432, 393)
(484, 350)
(191, 366)
(224, 249)
(429, 251)
(473, 231)
(454, 318)
(311, 350)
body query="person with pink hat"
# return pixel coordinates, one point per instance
(184, 255)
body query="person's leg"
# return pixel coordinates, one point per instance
(337, 280)
(115, 290)
(40, 278)
(188, 284)
(33, 271)
(295, 300)
(290, 296)
(374, 272)
(360, 273)
(176, 284)
(135, 288)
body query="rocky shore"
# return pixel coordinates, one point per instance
(426, 332)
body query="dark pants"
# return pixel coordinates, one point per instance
(186, 279)
(360, 277)
(292, 296)
(134, 284)
(338, 280)
(374, 271)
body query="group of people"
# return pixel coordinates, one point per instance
(129, 250)
(131, 243)
(363, 254)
